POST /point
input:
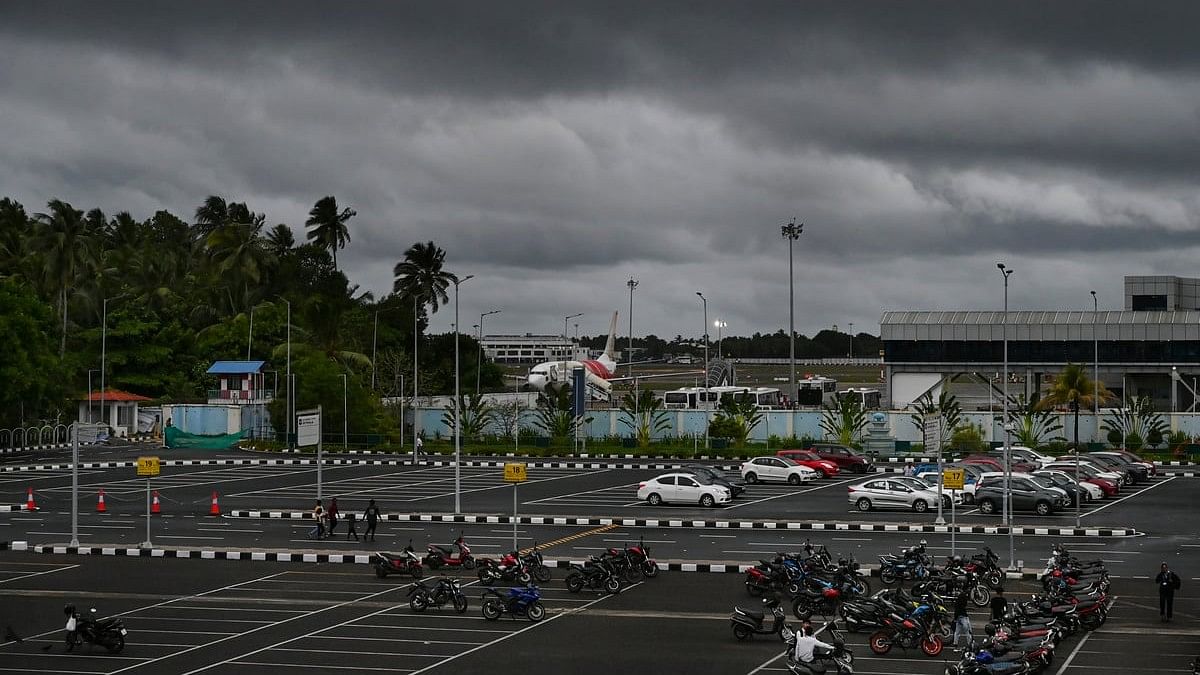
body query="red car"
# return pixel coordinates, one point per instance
(995, 464)
(845, 458)
(1087, 475)
(812, 460)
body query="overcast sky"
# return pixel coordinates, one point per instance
(557, 149)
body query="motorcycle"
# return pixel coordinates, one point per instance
(536, 565)
(421, 596)
(508, 569)
(823, 601)
(107, 633)
(405, 563)
(984, 663)
(456, 555)
(907, 634)
(640, 557)
(747, 623)
(595, 574)
(521, 601)
(824, 660)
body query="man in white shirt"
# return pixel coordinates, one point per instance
(806, 644)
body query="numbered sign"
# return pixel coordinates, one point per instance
(514, 472)
(952, 479)
(147, 466)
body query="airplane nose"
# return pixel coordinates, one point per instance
(537, 381)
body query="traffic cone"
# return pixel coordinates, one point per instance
(100, 507)
(29, 505)
(154, 507)
(215, 510)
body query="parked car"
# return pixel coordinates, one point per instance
(1150, 468)
(812, 460)
(1117, 476)
(992, 478)
(1133, 470)
(1018, 464)
(1088, 473)
(1023, 454)
(846, 458)
(682, 488)
(894, 492)
(967, 495)
(1026, 496)
(1090, 492)
(731, 482)
(776, 468)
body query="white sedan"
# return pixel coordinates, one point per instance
(682, 488)
(762, 469)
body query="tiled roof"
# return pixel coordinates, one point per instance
(116, 395)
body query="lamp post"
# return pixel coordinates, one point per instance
(1006, 272)
(103, 354)
(91, 417)
(705, 304)
(632, 284)
(1095, 401)
(479, 360)
(457, 406)
(374, 348)
(791, 232)
(416, 436)
(250, 335)
(719, 324)
(291, 393)
(567, 338)
(852, 339)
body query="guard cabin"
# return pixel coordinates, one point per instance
(240, 383)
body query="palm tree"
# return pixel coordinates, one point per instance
(421, 277)
(68, 253)
(327, 226)
(236, 249)
(1074, 389)
(280, 239)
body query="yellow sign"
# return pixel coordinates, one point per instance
(952, 479)
(514, 472)
(147, 466)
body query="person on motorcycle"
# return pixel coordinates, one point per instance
(806, 644)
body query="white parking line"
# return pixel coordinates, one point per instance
(38, 574)
(792, 493)
(1139, 492)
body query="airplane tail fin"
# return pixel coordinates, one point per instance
(610, 347)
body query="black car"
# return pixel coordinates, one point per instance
(1137, 473)
(735, 484)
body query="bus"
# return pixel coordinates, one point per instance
(815, 391)
(868, 399)
(709, 398)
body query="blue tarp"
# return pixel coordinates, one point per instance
(235, 367)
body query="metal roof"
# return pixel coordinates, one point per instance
(1040, 318)
(235, 367)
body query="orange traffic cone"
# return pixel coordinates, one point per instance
(154, 507)
(215, 510)
(100, 507)
(29, 505)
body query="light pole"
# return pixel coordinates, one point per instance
(250, 336)
(479, 361)
(1095, 402)
(719, 324)
(791, 232)
(457, 406)
(414, 403)
(103, 354)
(705, 303)
(291, 393)
(91, 417)
(374, 348)
(1005, 272)
(632, 284)
(345, 412)
(851, 339)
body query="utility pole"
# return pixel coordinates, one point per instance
(1007, 502)
(705, 301)
(791, 232)
(632, 284)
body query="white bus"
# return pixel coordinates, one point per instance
(709, 398)
(868, 399)
(815, 391)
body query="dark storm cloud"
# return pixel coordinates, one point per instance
(560, 148)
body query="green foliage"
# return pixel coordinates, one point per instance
(1033, 426)
(722, 426)
(1074, 389)
(643, 414)
(1177, 438)
(319, 382)
(946, 409)
(553, 413)
(1137, 424)
(31, 371)
(736, 419)
(477, 415)
(968, 438)
(844, 421)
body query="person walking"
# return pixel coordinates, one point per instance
(1168, 582)
(372, 516)
(420, 446)
(999, 605)
(962, 623)
(332, 514)
(318, 514)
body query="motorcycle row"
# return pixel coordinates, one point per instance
(610, 571)
(1075, 597)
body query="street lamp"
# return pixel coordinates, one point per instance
(791, 232)
(479, 361)
(852, 339)
(457, 406)
(632, 284)
(1095, 401)
(103, 354)
(1007, 466)
(705, 301)
(719, 324)
(291, 404)
(345, 412)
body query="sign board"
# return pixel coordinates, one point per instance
(147, 466)
(931, 434)
(952, 479)
(308, 428)
(514, 472)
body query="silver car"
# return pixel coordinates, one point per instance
(894, 492)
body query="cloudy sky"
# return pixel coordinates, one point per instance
(556, 149)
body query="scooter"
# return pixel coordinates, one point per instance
(405, 563)
(457, 555)
(108, 633)
(747, 623)
(825, 661)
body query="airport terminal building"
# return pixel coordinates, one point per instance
(1151, 348)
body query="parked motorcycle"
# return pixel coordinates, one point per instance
(406, 563)
(905, 633)
(520, 602)
(456, 555)
(537, 567)
(747, 623)
(640, 557)
(447, 591)
(838, 660)
(595, 574)
(507, 569)
(107, 633)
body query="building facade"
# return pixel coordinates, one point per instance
(529, 348)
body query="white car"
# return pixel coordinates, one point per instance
(1027, 455)
(1092, 489)
(895, 492)
(1069, 464)
(682, 488)
(761, 469)
(930, 478)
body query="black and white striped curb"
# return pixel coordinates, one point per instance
(714, 524)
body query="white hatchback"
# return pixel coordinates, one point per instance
(762, 469)
(682, 488)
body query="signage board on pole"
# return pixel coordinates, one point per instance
(953, 479)
(308, 428)
(148, 466)
(514, 472)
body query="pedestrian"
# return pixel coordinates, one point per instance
(1168, 582)
(999, 605)
(332, 514)
(318, 514)
(420, 445)
(350, 518)
(962, 623)
(372, 516)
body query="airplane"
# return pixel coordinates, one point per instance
(599, 373)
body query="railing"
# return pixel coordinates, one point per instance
(235, 396)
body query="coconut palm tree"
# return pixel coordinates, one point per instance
(327, 226)
(280, 240)
(68, 253)
(239, 255)
(1073, 388)
(421, 276)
